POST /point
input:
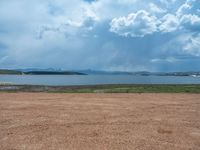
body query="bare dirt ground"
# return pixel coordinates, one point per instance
(99, 121)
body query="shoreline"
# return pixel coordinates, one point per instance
(110, 88)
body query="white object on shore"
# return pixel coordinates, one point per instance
(196, 76)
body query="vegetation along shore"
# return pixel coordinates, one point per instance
(102, 88)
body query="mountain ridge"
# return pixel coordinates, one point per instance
(52, 71)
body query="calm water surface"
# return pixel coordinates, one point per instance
(96, 79)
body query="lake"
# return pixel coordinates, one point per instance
(63, 80)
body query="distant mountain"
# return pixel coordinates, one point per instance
(39, 69)
(140, 73)
(98, 72)
(52, 71)
(38, 72)
(191, 73)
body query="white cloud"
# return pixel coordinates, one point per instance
(190, 22)
(186, 44)
(181, 10)
(136, 24)
(188, 7)
(142, 22)
(168, 59)
(69, 27)
(170, 23)
(192, 45)
(156, 9)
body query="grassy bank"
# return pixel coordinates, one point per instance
(10, 72)
(104, 89)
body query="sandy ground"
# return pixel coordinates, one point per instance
(99, 121)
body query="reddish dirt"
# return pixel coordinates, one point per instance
(32, 121)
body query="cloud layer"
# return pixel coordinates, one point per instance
(136, 24)
(100, 34)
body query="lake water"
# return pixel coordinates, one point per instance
(96, 79)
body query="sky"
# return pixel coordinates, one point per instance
(112, 35)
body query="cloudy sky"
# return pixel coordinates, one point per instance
(125, 35)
